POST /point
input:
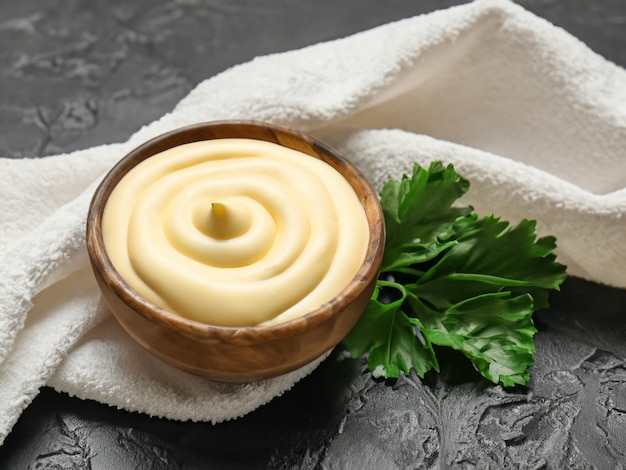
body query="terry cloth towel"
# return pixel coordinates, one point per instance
(532, 117)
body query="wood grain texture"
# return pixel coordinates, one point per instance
(227, 353)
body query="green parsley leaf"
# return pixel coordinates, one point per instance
(455, 280)
(494, 331)
(395, 347)
(418, 213)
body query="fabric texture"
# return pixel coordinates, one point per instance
(530, 115)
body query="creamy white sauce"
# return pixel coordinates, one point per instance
(235, 232)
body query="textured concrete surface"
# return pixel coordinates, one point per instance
(75, 73)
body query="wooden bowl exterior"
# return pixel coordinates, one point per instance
(227, 353)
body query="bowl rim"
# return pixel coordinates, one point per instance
(100, 261)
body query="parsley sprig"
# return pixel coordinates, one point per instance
(450, 278)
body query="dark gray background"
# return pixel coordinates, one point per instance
(78, 73)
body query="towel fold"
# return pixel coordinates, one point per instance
(533, 118)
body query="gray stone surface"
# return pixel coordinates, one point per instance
(75, 74)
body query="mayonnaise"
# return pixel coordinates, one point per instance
(235, 232)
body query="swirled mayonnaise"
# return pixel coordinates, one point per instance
(235, 232)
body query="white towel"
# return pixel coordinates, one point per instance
(532, 117)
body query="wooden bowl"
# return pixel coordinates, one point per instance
(236, 354)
